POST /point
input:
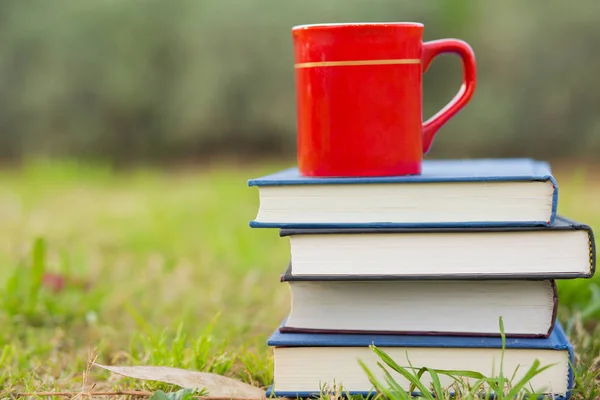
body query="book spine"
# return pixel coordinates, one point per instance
(554, 295)
(570, 372)
(592, 245)
(544, 170)
(554, 200)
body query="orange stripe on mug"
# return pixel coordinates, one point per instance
(357, 62)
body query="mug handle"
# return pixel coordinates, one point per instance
(430, 51)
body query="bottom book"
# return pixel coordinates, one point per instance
(305, 363)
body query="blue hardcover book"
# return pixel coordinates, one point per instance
(479, 192)
(564, 250)
(307, 364)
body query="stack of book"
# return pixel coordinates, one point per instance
(423, 267)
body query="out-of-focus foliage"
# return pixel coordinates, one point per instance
(166, 80)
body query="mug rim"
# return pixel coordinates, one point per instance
(356, 24)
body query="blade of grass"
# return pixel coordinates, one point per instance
(501, 381)
(413, 379)
(379, 387)
(13, 289)
(395, 385)
(454, 374)
(533, 371)
(38, 268)
(437, 386)
(419, 374)
(477, 385)
(460, 372)
(593, 306)
(512, 378)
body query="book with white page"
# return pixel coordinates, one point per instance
(423, 307)
(564, 250)
(478, 192)
(306, 362)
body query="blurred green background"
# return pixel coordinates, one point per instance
(184, 80)
(142, 259)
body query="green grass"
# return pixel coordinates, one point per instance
(161, 268)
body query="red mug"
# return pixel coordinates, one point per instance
(359, 97)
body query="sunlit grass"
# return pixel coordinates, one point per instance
(160, 267)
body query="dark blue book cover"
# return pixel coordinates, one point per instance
(434, 171)
(556, 341)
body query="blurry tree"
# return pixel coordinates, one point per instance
(159, 80)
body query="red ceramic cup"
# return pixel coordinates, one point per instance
(359, 97)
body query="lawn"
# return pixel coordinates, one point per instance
(159, 267)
